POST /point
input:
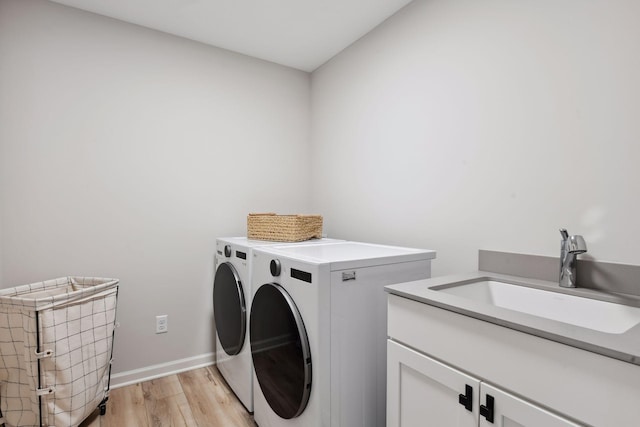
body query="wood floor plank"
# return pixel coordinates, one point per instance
(166, 404)
(198, 398)
(126, 407)
(212, 403)
(160, 388)
(236, 405)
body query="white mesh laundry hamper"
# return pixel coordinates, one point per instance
(56, 341)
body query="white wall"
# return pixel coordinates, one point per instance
(460, 125)
(455, 126)
(125, 152)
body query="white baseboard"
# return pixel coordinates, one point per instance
(147, 373)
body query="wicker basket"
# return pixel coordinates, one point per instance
(284, 228)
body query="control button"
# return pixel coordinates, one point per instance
(227, 251)
(275, 267)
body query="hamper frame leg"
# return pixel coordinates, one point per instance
(38, 350)
(103, 406)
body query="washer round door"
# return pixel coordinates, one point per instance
(229, 309)
(280, 350)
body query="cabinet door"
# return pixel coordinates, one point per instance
(424, 392)
(507, 410)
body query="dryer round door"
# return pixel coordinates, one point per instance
(229, 309)
(280, 350)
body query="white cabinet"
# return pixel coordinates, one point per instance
(581, 386)
(425, 392)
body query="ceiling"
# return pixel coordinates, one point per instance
(302, 34)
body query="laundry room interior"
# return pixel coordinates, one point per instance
(458, 127)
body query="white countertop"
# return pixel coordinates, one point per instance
(343, 255)
(624, 346)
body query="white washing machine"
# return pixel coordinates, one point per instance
(232, 302)
(318, 331)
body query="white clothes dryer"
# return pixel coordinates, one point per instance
(318, 331)
(232, 302)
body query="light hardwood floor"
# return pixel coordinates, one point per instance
(194, 398)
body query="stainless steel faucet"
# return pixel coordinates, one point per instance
(570, 247)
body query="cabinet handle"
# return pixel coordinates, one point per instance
(487, 411)
(466, 399)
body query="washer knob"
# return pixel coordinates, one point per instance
(275, 267)
(227, 251)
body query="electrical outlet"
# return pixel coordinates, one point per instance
(162, 324)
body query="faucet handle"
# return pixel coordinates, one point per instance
(564, 233)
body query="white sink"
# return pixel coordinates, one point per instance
(589, 313)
